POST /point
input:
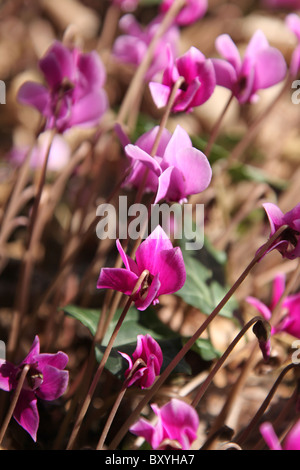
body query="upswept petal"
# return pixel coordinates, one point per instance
(147, 254)
(145, 429)
(54, 385)
(136, 153)
(195, 168)
(172, 273)
(188, 64)
(118, 279)
(180, 139)
(89, 109)
(227, 49)
(160, 94)
(92, 71)
(293, 23)
(7, 376)
(278, 289)
(292, 441)
(269, 435)
(186, 100)
(36, 95)
(171, 185)
(180, 421)
(226, 75)
(270, 68)
(260, 306)
(58, 360)
(146, 141)
(257, 43)
(128, 262)
(33, 352)
(275, 216)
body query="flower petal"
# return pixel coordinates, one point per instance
(26, 412)
(151, 296)
(36, 95)
(260, 306)
(7, 376)
(268, 433)
(136, 153)
(118, 279)
(89, 109)
(275, 216)
(270, 68)
(54, 385)
(171, 186)
(227, 49)
(225, 73)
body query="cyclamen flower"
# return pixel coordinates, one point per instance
(74, 95)
(290, 322)
(199, 81)
(156, 254)
(291, 442)
(192, 11)
(293, 23)
(45, 380)
(288, 244)
(262, 67)
(149, 356)
(175, 172)
(131, 47)
(176, 427)
(126, 5)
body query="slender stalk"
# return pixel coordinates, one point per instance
(216, 128)
(221, 361)
(180, 355)
(265, 404)
(117, 404)
(14, 402)
(101, 366)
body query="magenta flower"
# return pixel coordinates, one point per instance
(176, 427)
(262, 67)
(290, 322)
(293, 23)
(126, 5)
(45, 380)
(131, 47)
(191, 12)
(145, 364)
(156, 254)
(74, 95)
(288, 244)
(199, 81)
(291, 442)
(177, 170)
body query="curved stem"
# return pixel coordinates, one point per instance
(265, 404)
(14, 401)
(216, 128)
(193, 339)
(221, 361)
(101, 366)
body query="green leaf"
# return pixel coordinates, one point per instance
(135, 323)
(205, 349)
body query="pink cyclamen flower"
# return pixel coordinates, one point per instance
(59, 156)
(74, 95)
(126, 5)
(291, 442)
(145, 364)
(156, 254)
(175, 172)
(192, 11)
(288, 244)
(176, 426)
(45, 380)
(293, 23)
(131, 47)
(290, 322)
(262, 67)
(199, 81)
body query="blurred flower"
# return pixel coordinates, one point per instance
(177, 170)
(288, 243)
(45, 380)
(291, 442)
(191, 12)
(262, 67)
(156, 254)
(59, 156)
(132, 46)
(145, 363)
(293, 23)
(292, 4)
(176, 427)
(74, 94)
(126, 5)
(290, 322)
(199, 81)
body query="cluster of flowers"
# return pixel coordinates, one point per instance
(74, 95)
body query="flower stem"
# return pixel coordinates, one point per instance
(260, 253)
(216, 128)
(87, 401)
(221, 361)
(265, 404)
(14, 402)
